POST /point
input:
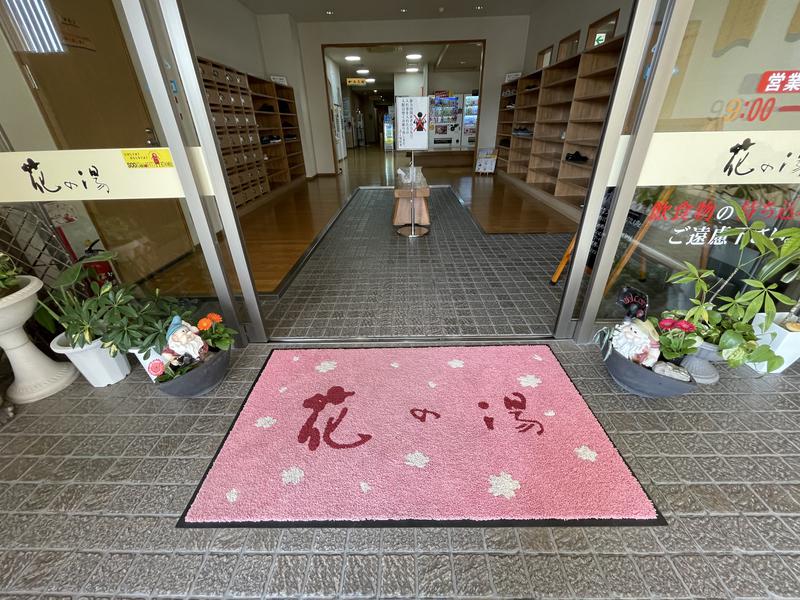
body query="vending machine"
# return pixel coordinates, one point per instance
(469, 125)
(445, 122)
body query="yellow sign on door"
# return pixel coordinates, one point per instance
(156, 158)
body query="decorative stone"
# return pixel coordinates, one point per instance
(701, 370)
(672, 371)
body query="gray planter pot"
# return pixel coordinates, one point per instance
(709, 352)
(641, 381)
(200, 380)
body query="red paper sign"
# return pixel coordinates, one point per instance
(779, 82)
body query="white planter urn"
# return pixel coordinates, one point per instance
(36, 376)
(151, 368)
(93, 361)
(785, 343)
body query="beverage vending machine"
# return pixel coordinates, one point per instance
(469, 125)
(445, 123)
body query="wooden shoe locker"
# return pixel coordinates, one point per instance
(245, 110)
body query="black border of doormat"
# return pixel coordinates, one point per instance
(184, 524)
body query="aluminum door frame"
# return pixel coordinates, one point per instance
(670, 39)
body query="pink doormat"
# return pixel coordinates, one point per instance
(492, 435)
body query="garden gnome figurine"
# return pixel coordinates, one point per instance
(184, 345)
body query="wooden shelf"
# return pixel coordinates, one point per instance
(582, 182)
(602, 96)
(604, 72)
(545, 170)
(588, 165)
(584, 142)
(559, 82)
(571, 104)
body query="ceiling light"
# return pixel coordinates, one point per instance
(413, 56)
(33, 27)
(329, 12)
(370, 80)
(479, 7)
(352, 58)
(362, 71)
(375, 91)
(403, 10)
(412, 69)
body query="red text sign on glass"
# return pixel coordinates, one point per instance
(779, 82)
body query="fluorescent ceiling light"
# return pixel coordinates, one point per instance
(362, 71)
(370, 80)
(352, 58)
(375, 91)
(329, 12)
(33, 26)
(412, 69)
(413, 56)
(403, 10)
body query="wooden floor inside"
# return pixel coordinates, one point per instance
(279, 233)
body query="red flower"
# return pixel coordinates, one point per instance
(666, 324)
(215, 317)
(685, 326)
(155, 368)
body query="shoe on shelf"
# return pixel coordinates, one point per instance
(576, 157)
(512, 105)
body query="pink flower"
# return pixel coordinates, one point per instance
(685, 326)
(666, 324)
(155, 368)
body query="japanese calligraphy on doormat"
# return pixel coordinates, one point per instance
(416, 435)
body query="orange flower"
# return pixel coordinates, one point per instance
(214, 317)
(204, 324)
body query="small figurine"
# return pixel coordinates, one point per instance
(184, 344)
(637, 341)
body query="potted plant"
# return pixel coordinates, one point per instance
(143, 333)
(195, 358)
(783, 336)
(85, 320)
(632, 349)
(36, 376)
(728, 324)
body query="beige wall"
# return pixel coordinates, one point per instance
(553, 20)
(225, 31)
(505, 51)
(457, 82)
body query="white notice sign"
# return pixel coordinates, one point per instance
(412, 122)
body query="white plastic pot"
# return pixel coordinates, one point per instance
(93, 361)
(35, 375)
(153, 357)
(785, 343)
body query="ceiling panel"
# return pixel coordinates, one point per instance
(359, 10)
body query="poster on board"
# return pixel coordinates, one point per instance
(412, 122)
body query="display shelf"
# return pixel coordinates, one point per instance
(566, 106)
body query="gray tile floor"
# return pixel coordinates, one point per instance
(364, 280)
(93, 480)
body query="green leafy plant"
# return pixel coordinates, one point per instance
(727, 320)
(8, 274)
(142, 324)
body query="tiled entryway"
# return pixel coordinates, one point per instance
(364, 280)
(93, 481)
